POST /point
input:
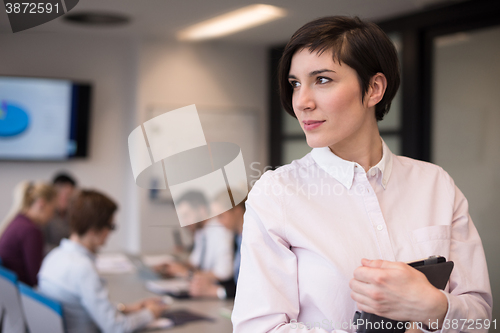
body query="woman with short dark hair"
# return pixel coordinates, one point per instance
(311, 225)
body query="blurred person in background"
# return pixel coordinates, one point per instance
(58, 226)
(69, 275)
(21, 243)
(17, 203)
(203, 285)
(213, 249)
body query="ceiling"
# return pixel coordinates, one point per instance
(163, 18)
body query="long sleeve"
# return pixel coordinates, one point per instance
(95, 300)
(267, 295)
(469, 297)
(308, 225)
(32, 248)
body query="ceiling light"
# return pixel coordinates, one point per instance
(240, 19)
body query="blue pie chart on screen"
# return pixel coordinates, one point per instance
(13, 119)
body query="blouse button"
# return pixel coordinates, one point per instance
(380, 227)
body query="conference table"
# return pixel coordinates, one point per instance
(130, 287)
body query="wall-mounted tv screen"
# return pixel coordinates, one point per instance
(43, 119)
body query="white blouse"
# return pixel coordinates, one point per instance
(308, 225)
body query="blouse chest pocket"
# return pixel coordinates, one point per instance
(433, 240)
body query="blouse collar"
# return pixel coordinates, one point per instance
(343, 170)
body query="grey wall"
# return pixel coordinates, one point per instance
(130, 76)
(214, 76)
(111, 65)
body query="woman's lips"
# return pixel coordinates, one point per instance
(312, 124)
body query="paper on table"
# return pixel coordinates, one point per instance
(167, 286)
(159, 324)
(113, 263)
(155, 260)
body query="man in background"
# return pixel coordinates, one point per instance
(58, 228)
(213, 243)
(203, 285)
(69, 275)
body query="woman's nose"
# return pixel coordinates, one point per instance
(303, 99)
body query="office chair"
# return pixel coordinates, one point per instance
(13, 316)
(42, 313)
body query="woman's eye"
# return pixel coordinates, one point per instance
(294, 84)
(323, 80)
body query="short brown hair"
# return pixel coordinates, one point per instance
(361, 45)
(91, 210)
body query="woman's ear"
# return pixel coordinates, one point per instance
(376, 90)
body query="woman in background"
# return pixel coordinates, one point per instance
(21, 244)
(17, 203)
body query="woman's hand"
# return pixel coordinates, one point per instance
(397, 291)
(413, 328)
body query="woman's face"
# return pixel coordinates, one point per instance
(327, 100)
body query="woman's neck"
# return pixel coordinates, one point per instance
(365, 149)
(33, 216)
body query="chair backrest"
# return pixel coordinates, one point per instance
(42, 313)
(13, 316)
(1, 307)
